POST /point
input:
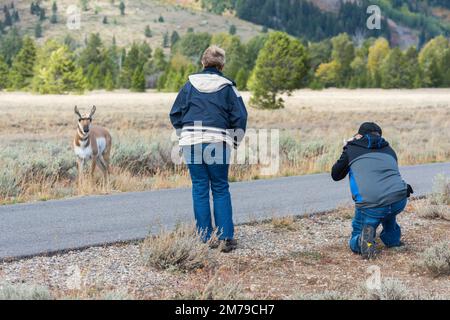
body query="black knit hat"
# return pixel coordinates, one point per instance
(369, 127)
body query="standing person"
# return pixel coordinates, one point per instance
(210, 117)
(379, 192)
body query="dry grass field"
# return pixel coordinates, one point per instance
(37, 163)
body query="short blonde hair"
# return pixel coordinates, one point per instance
(214, 57)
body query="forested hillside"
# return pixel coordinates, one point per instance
(306, 19)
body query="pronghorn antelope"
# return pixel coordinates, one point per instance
(92, 142)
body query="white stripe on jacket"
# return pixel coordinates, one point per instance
(192, 135)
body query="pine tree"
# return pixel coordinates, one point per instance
(60, 74)
(174, 38)
(22, 66)
(109, 82)
(105, 20)
(122, 8)
(8, 19)
(11, 43)
(54, 17)
(41, 14)
(166, 42)
(38, 31)
(161, 19)
(16, 16)
(233, 30)
(138, 82)
(241, 79)
(148, 32)
(137, 58)
(4, 71)
(33, 8)
(281, 67)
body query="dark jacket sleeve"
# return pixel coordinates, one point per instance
(341, 167)
(237, 115)
(176, 112)
(238, 112)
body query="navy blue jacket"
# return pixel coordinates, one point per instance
(212, 99)
(375, 179)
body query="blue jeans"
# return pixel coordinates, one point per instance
(386, 216)
(208, 166)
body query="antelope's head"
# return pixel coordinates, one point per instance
(85, 120)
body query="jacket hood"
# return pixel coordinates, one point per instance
(209, 82)
(370, 141)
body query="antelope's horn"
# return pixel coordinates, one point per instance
(77, 112)
(94, 108)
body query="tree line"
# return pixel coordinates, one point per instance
(268, 64)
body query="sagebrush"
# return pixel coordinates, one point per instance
(436, 259)
(180, 250)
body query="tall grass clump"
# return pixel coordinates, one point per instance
(180, 250)
(23, 292)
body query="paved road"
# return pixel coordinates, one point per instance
(52, 226)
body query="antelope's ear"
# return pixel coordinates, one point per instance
(94, 108)
(77, 112)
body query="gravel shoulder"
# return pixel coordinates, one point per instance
(279, 259)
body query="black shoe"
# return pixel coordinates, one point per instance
(227, 246)
(367, 242)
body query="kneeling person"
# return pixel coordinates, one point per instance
(379, 192)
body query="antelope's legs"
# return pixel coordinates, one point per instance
(106, 159)
(93, 165)
(80, 165)
(103, 165)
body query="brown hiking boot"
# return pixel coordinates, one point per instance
(227, 246)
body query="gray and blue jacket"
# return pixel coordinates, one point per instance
(375, 179)
(209, 109)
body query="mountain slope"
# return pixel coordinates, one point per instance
(131, 26)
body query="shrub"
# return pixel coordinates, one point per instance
(9, 186)
(180, 250)
(436, 259)
(437, 206)
(23, 292)
(286, 223)
(426, 209)
(390, 289)
(138, 158)
(441, 190)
